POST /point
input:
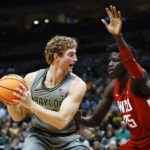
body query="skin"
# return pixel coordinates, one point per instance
(56, 73)
(116, 69)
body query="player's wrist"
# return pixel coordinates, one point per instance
(32, 106)
(118, 36)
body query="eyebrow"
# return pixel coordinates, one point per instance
(72, 52)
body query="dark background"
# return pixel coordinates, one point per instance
(22, 42)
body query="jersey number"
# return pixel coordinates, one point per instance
(129, 121)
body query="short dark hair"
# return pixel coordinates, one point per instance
(114, 48)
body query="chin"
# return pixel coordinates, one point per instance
(69, 71)
(112, 75)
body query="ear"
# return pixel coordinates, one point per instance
(55, 56)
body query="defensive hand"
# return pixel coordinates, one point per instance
(115, 25)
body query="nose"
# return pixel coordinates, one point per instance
(75, 58)
(110, 64)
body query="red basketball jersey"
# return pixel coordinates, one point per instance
(135, 111)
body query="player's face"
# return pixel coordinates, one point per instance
(68, 60)
(115, 65)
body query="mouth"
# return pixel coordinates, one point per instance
(71, 66)
(110, 71)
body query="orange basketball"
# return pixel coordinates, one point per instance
(8, 85)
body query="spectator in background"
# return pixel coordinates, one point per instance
(109, 136)
(14, 131)
(112, 145)
(97, 135)
(97, 146)
(7, 126)
(7, 116)
(2, 112)
(122, 133)
(122, 142)
(4, 139)
(114, 117)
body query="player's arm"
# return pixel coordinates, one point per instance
(18, 112)
(101, 109)
(139, 78)
(68, 108)
(140, 83)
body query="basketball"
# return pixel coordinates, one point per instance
(8, 85)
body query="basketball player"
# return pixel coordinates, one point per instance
(130, 88)
(54, 99)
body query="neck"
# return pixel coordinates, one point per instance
(123, 80)
(54, 77)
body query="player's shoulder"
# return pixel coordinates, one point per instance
(29, 78)
(33, 74)
(111, 84)
(77, 81)
(30, 75)
(110, 88)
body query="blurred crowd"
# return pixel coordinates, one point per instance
(12, 134)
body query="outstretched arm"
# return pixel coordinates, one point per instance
(102, 108)
(139, 79)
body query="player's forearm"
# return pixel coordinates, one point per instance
(128, 59)
(98, 115)
(88, 121)
(56, 119)
(130, 63)
(15, 112)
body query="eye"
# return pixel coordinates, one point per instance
(71, 54)
(116, 60)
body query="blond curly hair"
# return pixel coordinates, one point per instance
(58, 44)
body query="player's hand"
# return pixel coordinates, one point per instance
(115, 25)
(24, 96)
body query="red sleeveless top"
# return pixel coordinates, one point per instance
(135, 111)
